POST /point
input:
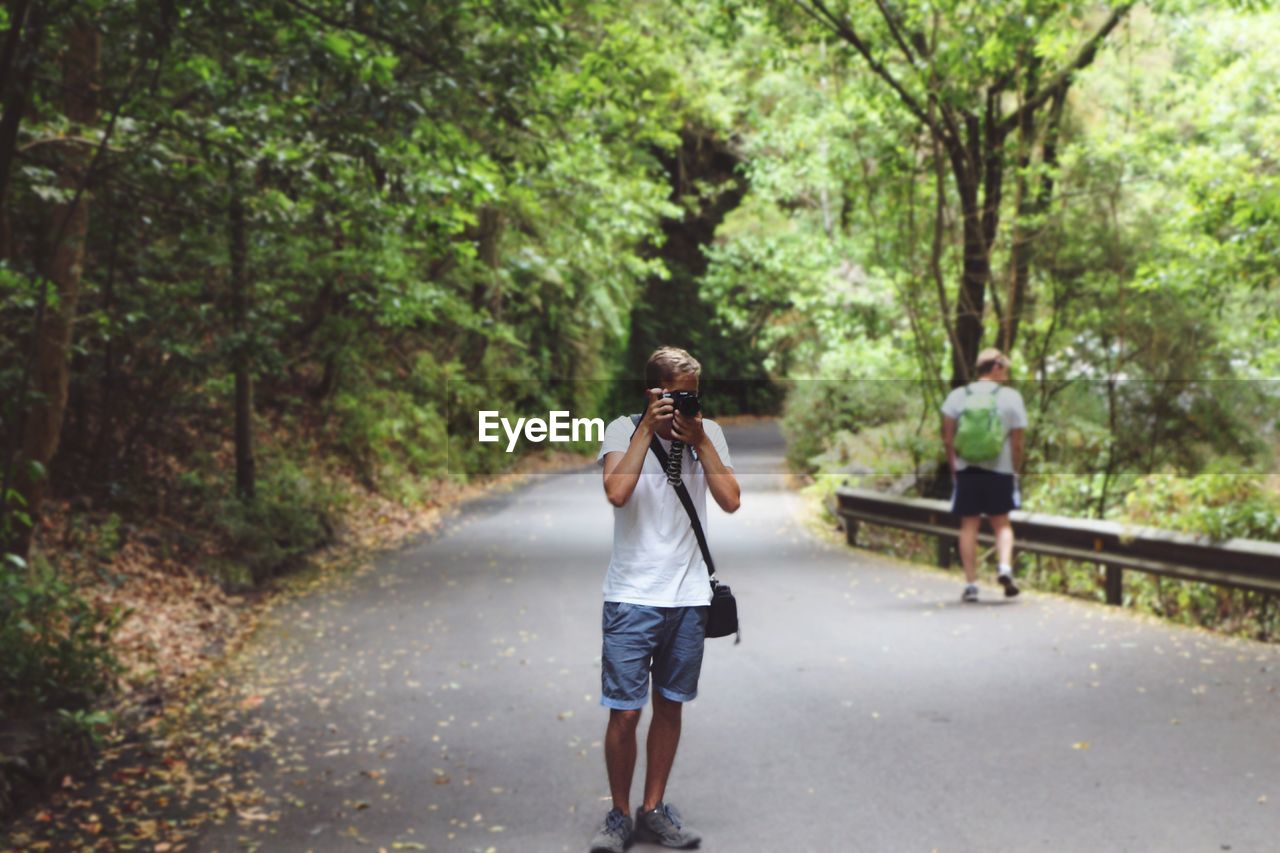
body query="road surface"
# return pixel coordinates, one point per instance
(448, 700)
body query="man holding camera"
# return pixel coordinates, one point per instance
(656, 590)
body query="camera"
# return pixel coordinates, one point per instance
(688, 405)
(685, 402)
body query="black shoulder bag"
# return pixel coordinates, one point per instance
(722, 617)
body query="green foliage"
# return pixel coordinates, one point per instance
(471, 194)
(291, 514)
(1220, 506)
(1148, 325)
(818, 412)
(394, 430)
(54, 646)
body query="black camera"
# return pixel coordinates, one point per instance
(686, 402)
(688, 405)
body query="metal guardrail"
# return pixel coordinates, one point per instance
(1236, 563)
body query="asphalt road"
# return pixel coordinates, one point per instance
(449, 699)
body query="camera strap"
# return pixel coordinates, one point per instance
(686, 500)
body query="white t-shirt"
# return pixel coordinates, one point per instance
(656, 559)
(1013, 414)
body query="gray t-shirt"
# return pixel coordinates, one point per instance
(1013, 414)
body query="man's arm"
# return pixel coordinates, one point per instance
(622, 470)
(949, 441)
(720, 480)
(1016, 445)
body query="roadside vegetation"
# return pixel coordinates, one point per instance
(262, 262)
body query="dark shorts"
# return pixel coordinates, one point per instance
(640, 640)
(983, 492)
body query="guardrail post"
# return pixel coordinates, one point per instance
(851, 531)
(944, 551)
(1115, 585)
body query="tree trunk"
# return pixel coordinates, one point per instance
(239, 250)
(102, 453)
(977, 164)
(971, 300)
(492, 224)
(69, 225)
(18, 59)
(1032, 205)
(486, 290)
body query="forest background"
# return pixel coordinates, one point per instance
(260, 262)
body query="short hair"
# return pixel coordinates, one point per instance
(667, 363)
(989, 359)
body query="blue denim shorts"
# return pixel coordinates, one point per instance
(639, 640)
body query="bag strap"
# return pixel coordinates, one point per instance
(683, 493)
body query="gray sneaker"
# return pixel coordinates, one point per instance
(662, 826)
(970, 593)
(614, 835)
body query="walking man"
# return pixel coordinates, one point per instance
(982, 427)
(656, 593)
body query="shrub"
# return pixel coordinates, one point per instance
(289, 515)
(54, 645)
(818, 411)
(1221, 506)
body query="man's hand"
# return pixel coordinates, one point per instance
(720, 480)
(622, 470)
(689, 430)
(660, 411)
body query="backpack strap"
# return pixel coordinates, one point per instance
(968, 389)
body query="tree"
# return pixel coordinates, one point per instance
(68, 229)
(974, 77)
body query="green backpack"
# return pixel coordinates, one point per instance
(979, 430)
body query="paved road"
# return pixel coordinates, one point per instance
(449, 699)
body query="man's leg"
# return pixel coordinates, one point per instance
(1004, 539)
(630, 634)
(620, 755)
(1004, 550)
(969, 525)
(660, 748)
(677, 664)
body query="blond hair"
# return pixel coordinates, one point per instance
(667, 363)
(989, 359)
